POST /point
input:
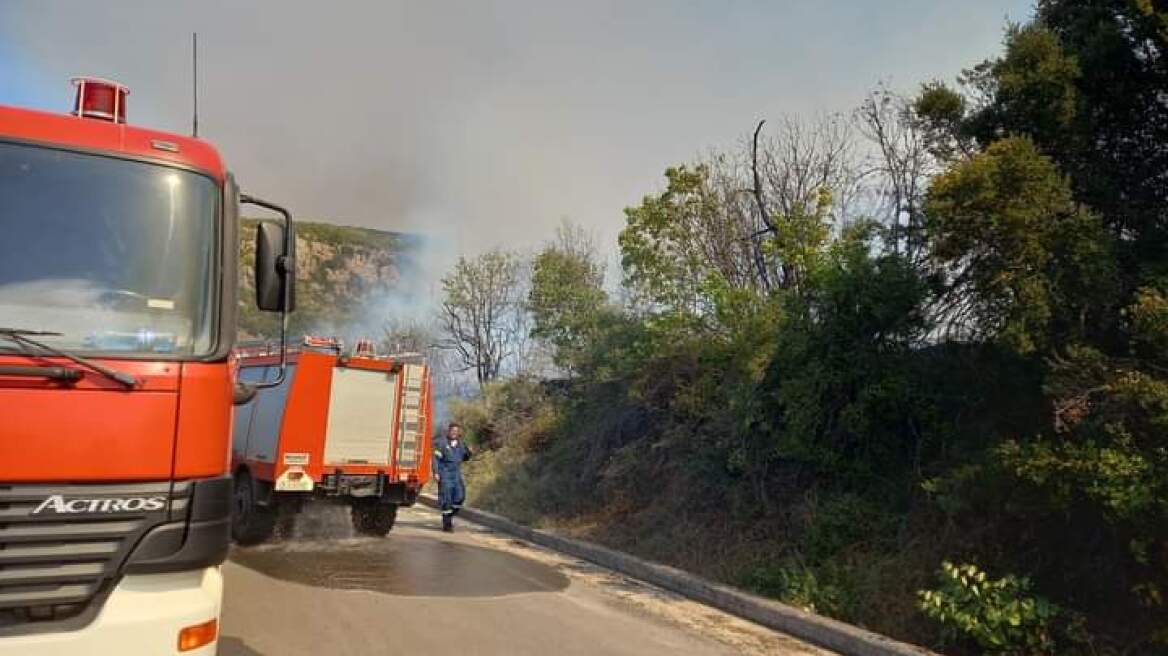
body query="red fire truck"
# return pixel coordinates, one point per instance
(118, 298)
(352, 429)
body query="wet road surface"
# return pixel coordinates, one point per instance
(473, 592)
(407, 565)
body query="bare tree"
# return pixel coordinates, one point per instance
(529, 356)
(807, 157)
(902, 164)
(736, 238)
(407, 335)
(478, 318)
(757, 217)
(765, 222)
(782, 175)
(413, 335)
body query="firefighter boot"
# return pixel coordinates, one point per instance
(448, 522)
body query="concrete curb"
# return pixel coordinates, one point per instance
(816, 629)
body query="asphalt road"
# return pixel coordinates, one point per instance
(323, 591)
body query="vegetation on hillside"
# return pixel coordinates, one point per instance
(344, 275)
(924, 390)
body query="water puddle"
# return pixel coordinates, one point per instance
(404, 564)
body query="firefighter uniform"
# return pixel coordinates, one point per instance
(448, 458)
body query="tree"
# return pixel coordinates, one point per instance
(840, 382)
(674, 241)
(903, 164)
(1086, 81)
(940, 114)
(480, 312)
(1024, 263)
(567, 295)
(1056, 232)
(411, 335)
(749, 219)
(786, 176)
(406, 336)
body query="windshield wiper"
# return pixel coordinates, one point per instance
(22, 337)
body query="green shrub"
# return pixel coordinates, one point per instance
(1001, 616)
(516, 411)
(840, 522)
(796, 585)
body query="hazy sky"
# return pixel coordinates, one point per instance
(482, 123)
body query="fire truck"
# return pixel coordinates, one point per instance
(344, 428)
(119, 254)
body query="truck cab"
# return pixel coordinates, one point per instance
(118, 296)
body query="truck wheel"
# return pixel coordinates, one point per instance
(251, 523)
(374, 519)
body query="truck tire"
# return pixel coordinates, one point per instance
(251, 523)
(373, 518)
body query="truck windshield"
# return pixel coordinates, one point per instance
(117, 256)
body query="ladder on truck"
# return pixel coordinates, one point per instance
(413, 392)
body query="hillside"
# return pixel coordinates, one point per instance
(345, 278)
(946, 422)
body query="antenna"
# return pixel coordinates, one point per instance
(195, 82)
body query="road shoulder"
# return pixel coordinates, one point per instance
(632, 595)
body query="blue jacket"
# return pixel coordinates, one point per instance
(448, 458)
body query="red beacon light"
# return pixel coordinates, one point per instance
(100, 99)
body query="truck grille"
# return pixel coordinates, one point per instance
(54, 564)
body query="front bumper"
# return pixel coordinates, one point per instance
(142, 616)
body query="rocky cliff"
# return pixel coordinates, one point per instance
(345, 278)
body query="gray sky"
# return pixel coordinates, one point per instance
(482, 123)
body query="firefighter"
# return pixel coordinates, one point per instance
(450, 452)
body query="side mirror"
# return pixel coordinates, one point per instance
(275, 279)
(275, 271)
